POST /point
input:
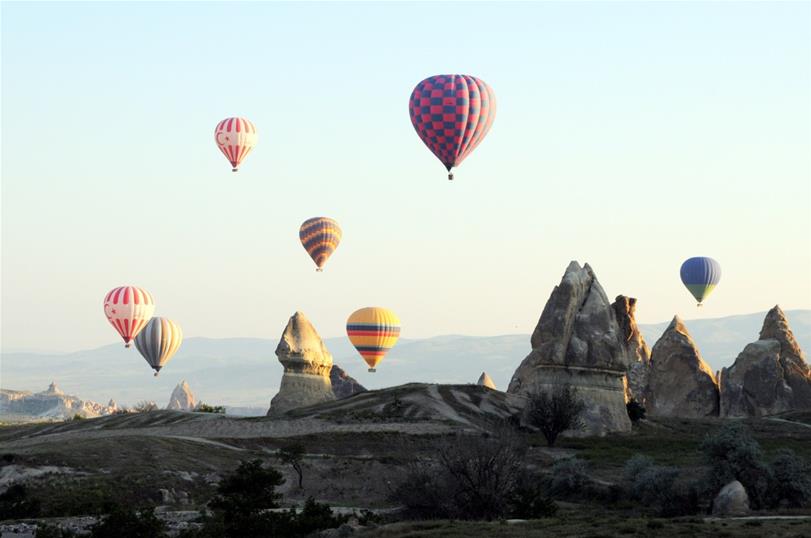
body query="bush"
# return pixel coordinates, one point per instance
(77, 416)
(569, 478)
(732, 454)
(205, 408)
(15, 504)
(554, 413)
(470, 478)
(791, 480)
(8, 458)
(127, 523)
(636, 411)
(657, 487)
(315, 517)
(529, 501)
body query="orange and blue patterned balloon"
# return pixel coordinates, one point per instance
(452, 114)
(320, 237)
(700, 275)
(373, 331)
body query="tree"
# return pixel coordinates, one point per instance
(205, 408)
(554, 413)
(292, 455)
(636, 411)
(15, 503)
(248, 491)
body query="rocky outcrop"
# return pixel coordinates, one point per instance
(343, 385)
(681, 384)
(769, 376)
(182, 398)
(732, 500)
(486, 381)
(638, 351)
(579, 341)
(52, 403)
(307, 366)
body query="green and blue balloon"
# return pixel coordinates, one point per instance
(700, 275)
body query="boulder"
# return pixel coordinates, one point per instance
(307, 366)
(343, 385)
(182, 398)
(578, 341)
(769, 376)
(486, 381)
(681, 384)
(732, 500)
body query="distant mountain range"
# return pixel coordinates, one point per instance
(244, 371)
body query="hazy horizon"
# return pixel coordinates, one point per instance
(629, 136)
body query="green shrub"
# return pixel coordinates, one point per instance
(569, 478)
(791, 480)
(315, 517)
(658, 488)
(15, 503)
(528, 500)
(733, 454)
(636, 411)
(127, 523)
(205, 408)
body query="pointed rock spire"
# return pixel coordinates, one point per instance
(681, 384)
(182, 398)
(486, 381)
(769, 376)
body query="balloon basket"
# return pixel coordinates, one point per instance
(128, 344)
(372, 370)
(235, 169)
(155, 374)
(699, 305)
(319, 270)
(450, 177)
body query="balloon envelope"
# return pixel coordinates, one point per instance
(159, 341)
(235, 137)
(128, 309)
(700, 275)
(320, 237)
(452, 114)
(373, 331)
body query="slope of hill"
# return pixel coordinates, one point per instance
(245, 371)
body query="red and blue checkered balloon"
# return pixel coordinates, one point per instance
(452, 114)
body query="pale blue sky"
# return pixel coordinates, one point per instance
(631, 136)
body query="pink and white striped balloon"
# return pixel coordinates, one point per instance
(235, 137)
(128, 309)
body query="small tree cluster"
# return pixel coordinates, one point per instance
(480, 477)
(733, 454)
(125, 522)
(205, 408)
(555, 412)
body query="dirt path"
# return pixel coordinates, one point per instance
(775, 419)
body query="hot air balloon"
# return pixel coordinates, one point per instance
(235, 137)
(373, 331)
(159, 340)
(452, 114)
(700, 275)
(128, 310)
(320, 237)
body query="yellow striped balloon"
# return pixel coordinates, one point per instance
(373, 331)
(320, 237)
(159, 341)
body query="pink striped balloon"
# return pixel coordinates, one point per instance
(128, 309)
(235, 137)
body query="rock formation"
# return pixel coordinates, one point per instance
(343, 385)
(681, 384)
(732, 500)
(182, 398)
(635, 346)
(486, 381)
(307, 365)
(52, 403)
(769, 376)
(579, 341)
